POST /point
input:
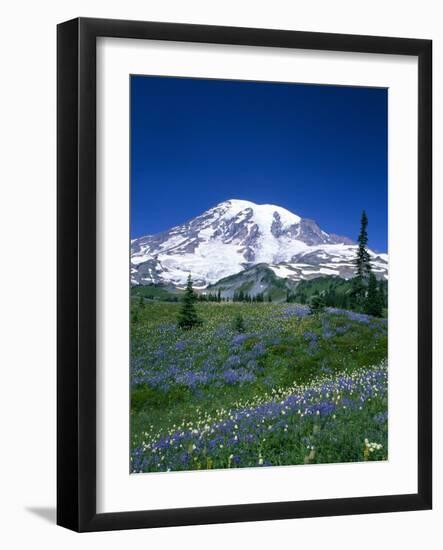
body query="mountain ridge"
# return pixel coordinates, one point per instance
(237, 234)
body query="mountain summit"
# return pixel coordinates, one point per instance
(236, 235)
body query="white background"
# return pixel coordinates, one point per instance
(27, 285)
(117, 490)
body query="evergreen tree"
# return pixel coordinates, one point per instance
(239, 324)
(219, 296)
(373, 305)
(382, 286)
(134, 316)
(188, 317)
(269, 298)
(317, 304)
(363, 261)
(330, 298)
(357, 294)
(141, 302)
(363, 268)
(344, 302)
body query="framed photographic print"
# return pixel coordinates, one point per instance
(244, 274)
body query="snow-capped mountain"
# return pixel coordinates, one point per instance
(238, 234)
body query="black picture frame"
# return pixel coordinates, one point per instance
(76, 282)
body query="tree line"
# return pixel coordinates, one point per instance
(242, 296)
(238, 296)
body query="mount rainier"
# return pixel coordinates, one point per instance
(236, 235)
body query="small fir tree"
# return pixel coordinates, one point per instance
(317, 304)
(188, 317)
(239, 323)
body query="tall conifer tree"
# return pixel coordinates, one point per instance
(363, 261)
(363, 267)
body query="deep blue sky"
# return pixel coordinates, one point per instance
(319, 151)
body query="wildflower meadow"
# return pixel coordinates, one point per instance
(255, 385)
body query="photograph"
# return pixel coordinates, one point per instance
(258, 274)
(234, 335)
